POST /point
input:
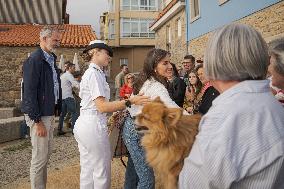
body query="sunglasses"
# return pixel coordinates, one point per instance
(130, 78)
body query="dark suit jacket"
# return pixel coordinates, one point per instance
(38, 90)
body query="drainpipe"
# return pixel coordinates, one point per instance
(187, 24)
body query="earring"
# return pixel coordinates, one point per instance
(155, 71)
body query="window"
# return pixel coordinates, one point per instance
(168, 37)
(111, 6)
(136, 28)
(134, 5)
(179, 27)
(111, 30)
(151, 5)
(194, 10)
(221, 2)
(123, 61)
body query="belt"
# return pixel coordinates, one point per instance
(91, 112)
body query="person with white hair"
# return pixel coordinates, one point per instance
(240, 143)
(90, 129)
(276, 67)
(41, 99)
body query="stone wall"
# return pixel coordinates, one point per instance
(178, 44)
(11, 59)
(269, 22)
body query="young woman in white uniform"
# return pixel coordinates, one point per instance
(90, 129)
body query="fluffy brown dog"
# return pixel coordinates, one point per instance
(168, 139)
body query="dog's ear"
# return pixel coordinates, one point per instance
(172, 115)
(158, 99)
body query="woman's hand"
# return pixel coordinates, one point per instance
(127, 96)
(139, 100)
(187, 91)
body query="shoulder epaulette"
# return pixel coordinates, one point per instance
(97, 69)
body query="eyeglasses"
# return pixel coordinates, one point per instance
(187, 63)
(130, 78)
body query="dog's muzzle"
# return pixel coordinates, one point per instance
(140, 128)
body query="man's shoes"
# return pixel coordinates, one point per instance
(61, 133)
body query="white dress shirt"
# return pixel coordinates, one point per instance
(240, 143)
(153, 89)
(67, 82)
(92, 86)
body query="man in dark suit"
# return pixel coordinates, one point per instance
(41, 97)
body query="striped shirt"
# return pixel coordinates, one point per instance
(50, 59)
(240, 143)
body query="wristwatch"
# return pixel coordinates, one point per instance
(127, 103)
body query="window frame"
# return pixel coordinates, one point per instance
(221, 2)
(194, 16)
(140, 7)
(123, 61)
(111, 30)
(136, 34)
(168, 37)
(179, 32)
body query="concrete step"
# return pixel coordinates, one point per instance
(8, 112)
(10, 128)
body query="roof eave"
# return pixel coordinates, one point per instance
(166, 17)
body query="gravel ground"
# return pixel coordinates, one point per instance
(63, 167)
(15, 157)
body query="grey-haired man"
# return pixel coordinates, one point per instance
(41, 98)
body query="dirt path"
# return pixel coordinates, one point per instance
(63, 167)
(67, 177)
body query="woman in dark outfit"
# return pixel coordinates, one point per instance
(176, 86)
(209, 92)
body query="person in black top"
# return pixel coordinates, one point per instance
(176, 86)
(209, 92)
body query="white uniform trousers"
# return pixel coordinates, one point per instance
(41, 151)
(95, 157)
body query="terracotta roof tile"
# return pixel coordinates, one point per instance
(28, 35)
(165, 10)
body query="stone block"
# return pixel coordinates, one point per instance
(10, 129)
(7, 112)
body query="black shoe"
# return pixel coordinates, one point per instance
(61, 133)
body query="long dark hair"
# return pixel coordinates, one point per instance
(151, 61)
(199, 85)
(175, 71)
